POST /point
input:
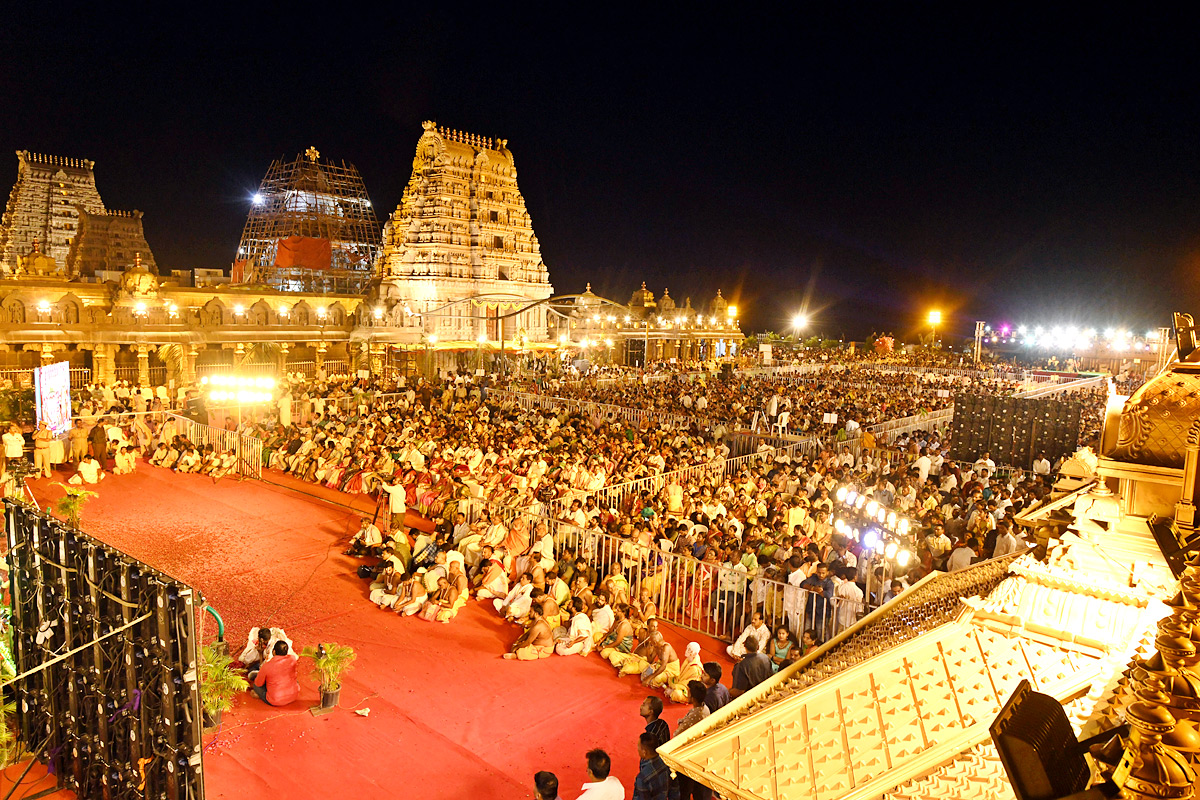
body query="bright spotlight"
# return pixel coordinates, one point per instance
(258, 199)
(800, 321)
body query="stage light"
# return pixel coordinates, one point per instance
(881, 515)
(870, 540)
(902, 527)
(871, 507)
(43, 306)
(481, 338)
(800, 322)
(433, 338)
(860, 501)
(731, 312)
(890, 550)
(377, 312)
(935, 317)
(839, 526)
(902, 558)
(840, 494)
(140, 309)
(851, 496)
(321, 312)
(258, 199)
(891, 520)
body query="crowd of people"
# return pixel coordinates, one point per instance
(529, 511)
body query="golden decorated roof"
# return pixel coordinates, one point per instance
(911, 720)
(1154, 425)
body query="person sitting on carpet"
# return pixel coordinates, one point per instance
(440, 601)
(189, 461)
(662, 666)
(617, 644)
(536, 642)
(260, 647)
(126, 461)
(276, 684)
(160, 455)
(578, 639)
(222, 464)
(602, 617)
(492, 580)
(411, 596)
(366, 541)
(516, 604)
(690, 669)
(88, 472)
(385, 589)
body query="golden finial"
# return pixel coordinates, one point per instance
(313, 154)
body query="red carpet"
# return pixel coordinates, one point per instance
(447, 713)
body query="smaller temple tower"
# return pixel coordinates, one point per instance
(311, 227)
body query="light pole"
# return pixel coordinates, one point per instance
(935, 319)
(799, 323)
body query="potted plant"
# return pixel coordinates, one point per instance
(329, 662)
(70, 505)
(220, 682)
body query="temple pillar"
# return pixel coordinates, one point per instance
(377, 354)
(319, 360)
(143, 358)
(104, 370)
(283, 357)
(47, 354)
(190, 353)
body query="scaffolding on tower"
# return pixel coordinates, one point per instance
(311, 228)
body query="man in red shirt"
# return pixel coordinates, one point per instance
(276, 682)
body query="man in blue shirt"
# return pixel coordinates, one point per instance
(653, 780)
(820, 598)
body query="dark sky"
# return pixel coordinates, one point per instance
(1011, 168)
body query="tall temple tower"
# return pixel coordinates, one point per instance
(461, 231)
(311, 228)
(44, 207)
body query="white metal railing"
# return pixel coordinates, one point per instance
(80, 376)
(247, 448)
(715, 599)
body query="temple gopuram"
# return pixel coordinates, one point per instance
(456, 275)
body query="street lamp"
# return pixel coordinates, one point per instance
(935, 319)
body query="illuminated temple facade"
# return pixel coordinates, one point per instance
(456, 275)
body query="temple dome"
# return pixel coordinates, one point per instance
(719, 306)
(1154, 425)
(642, 298)
(666, 303)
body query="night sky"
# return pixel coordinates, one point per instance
(1009, 168)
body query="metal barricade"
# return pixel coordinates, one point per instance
(711, 598)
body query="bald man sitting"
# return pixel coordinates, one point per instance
(537, 641)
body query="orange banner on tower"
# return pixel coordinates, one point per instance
(301, 251)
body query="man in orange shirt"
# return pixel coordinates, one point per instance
(276, 682)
